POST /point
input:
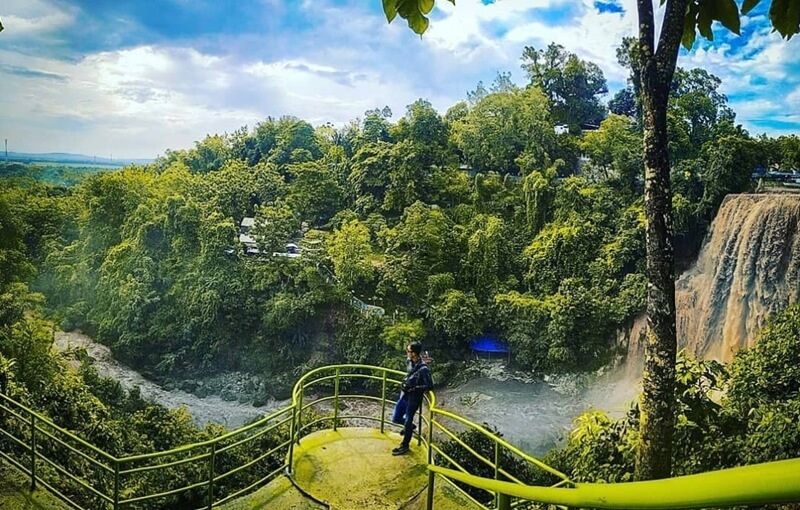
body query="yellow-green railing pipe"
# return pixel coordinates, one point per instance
(383, 402)
(777, 482)
(505, 444)
(758, 484)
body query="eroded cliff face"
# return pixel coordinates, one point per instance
(747, 269)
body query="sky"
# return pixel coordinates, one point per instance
(133, 78)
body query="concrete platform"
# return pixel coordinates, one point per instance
(354, 469)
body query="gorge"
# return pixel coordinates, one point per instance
(748, 268)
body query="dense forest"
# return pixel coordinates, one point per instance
(518, 212)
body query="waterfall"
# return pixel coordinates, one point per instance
(748, 268)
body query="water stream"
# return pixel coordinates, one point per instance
(536, 416)
(203, 409)
(531, 415)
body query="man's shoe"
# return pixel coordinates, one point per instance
(400, 450)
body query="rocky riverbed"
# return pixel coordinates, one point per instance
(532, 413)
(208, 400)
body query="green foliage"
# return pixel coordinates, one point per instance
(770, 372)
(730, 162)
(54, 174)
(314, 193)
(421, 244)
(571, 84)
(274, 226)
(457, 315)
(700, 15)
(413, 11)
(400, 334)
(350, 251)
(504, 127)
(616, 147)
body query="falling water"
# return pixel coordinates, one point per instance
(747, 269)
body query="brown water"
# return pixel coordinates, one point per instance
(747, 270)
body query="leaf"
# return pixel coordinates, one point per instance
(727, 13)
(748, 5)
(689, 22)
(390, 9)
(785, 17)
(425, 6)
(704, 19)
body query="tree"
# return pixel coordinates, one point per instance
(573, 85)
(504, 126)
(628, 57)
(682, 19)
(614, 148)
(457, 315)
(350, 251)
(420, 245)
(697, 109)
(624, 103)
(275, 225)
(314, 193)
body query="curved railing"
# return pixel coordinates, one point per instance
(204, 474)
(211, 473)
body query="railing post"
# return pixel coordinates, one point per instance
(292, 431)
(503, 501)
(430, 434)
(211, 469)
(33, 452)
(299, 414)
(419, 425)
(116, 484)
(497, 496)
(383, 403)
(336, 401)
(431, 478)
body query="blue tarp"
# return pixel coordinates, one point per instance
(488, 344)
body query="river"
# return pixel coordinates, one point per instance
(534, 415)
(203, 409)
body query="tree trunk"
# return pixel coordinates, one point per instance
(657, 406)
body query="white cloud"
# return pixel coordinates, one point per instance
(139, 100)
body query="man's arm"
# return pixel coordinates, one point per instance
(425, 380)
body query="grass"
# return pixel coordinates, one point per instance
(15, 493)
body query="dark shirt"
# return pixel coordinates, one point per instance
(419, 378)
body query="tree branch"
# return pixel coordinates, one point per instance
(670, 40)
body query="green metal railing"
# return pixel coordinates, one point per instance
(85, 477)
(211, 473)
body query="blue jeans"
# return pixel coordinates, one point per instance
(404, 412)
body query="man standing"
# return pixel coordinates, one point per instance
(417, 381)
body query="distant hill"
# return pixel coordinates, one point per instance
(73, 159)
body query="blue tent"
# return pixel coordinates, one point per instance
(487, 344)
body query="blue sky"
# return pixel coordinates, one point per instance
(134, 78)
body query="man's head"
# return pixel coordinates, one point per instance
(413, 350)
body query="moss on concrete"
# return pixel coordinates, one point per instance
(15, 492)
(280, 494)
(353, 469)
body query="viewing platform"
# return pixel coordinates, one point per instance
(332, 448)
(353, 469)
